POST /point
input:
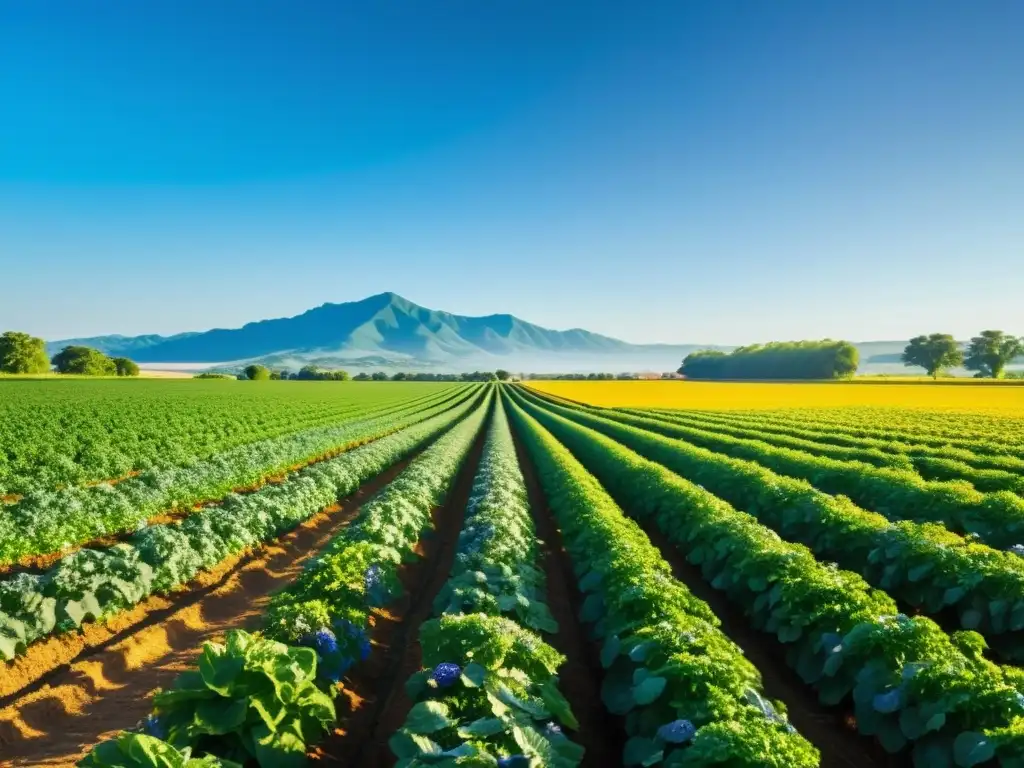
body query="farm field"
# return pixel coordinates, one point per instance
(500, 575)
(999, 399)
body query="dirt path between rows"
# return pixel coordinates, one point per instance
(374, 703)
(601, 733)
(106, 689)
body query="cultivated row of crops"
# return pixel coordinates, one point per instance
(709, 593)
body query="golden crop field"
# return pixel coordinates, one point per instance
(732, 396)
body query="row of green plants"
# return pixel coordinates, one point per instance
(996, 518)
(925, 567)
(488, 692)
(978, 433)
(267, 697)
(91, 584)
(928, 467)
(52, 520)
(907, 682)
(688, 695)
(76, 432)
(958, 450)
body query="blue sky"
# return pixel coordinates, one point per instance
(661, 172)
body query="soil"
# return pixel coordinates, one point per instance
(73, 699)
(373, 704)
(601, 734)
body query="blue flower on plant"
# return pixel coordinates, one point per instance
(677, 732)
(371, 578)
(325, 642)
(154, 727)
(364, 648)
(514, 761)
(446, 674)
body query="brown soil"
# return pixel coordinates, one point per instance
(101, 686)
(601, 734)
(831, 729)
(374, 704)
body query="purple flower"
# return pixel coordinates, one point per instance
(446, 674)
(677, 732)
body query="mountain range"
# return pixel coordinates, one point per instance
(387, 331)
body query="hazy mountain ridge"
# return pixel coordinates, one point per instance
(389, 332)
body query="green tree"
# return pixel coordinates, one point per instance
(361, 376)
(84, 361)
(257, 373)
(502, 375)
(379, 376)
(21, 353)
(989, 353)
(934, 353)
(125, 367)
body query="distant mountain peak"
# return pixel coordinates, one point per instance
(384, 326)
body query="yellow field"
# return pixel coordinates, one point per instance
(733, 396)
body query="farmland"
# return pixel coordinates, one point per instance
(559, 574)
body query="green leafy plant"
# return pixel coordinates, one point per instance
(249, 698)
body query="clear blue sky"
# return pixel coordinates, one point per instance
(658, 171)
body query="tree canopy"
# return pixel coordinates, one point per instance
(21, 353)
(84, 361)
(989, 352)
(934, 353)
(257, 373)
(126, 367)
(826, 359)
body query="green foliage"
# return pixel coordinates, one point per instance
(125, 367)
(664, 656)
(313, 373)
(249, 698)
(46, 520)
(504, 701)
(90, 584)
(21, 353)
(83, 361)
(934, 353)
(138, 750)
(257, 373)
(502, 375)
(825, 359)
(989, 353)
(908, 681)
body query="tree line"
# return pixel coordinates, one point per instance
(315, 373)
(987, 354)
(25, 354)
(825, 359)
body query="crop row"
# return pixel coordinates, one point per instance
(688, 694)
(997, 518)
(985, 473)
(975, 433)
(55, 434)
(488, 690)
(93, 584)
(49, 521)
(924, 566)
(269, 696)
(906, 681)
